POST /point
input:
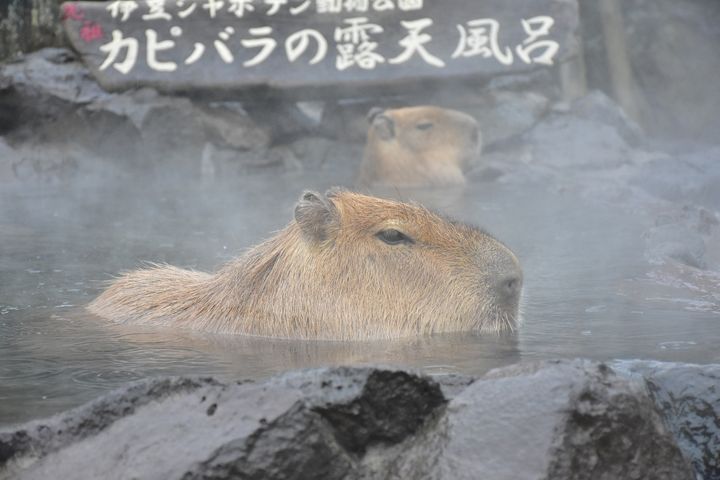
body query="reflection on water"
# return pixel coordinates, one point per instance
(588, 291)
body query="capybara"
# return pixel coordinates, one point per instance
(419, 147)
(348, 267)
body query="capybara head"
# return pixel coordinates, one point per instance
(419, 146)
(349, 266)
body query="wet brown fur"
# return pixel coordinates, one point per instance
(327, 276)
(419, 146)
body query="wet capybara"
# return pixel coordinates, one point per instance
(419, 146)
(348, 267)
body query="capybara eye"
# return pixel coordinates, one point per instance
(424, 126)
(393, 237)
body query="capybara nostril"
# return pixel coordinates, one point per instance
(509, 286)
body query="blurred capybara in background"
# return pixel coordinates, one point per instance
(419, 146)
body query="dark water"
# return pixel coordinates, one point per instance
(589, 291)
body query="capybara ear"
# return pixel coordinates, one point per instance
(316, 216)
(374, 112)
(384, 126)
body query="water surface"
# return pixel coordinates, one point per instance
(588, 289)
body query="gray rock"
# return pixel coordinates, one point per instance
(53, 99)
(598, 107)
(688, 398)
(8, 158)
(559, 420)
(284, 119)
(49, 77)
(176, 125)
(504, 114)
(313, 151)
(317, 152)
(347, 121)
(316, 424)
(692, 177)
(453, 384)
(677, 242)
(590, 134)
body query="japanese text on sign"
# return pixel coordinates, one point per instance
(165, 43)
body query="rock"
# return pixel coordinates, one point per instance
(284, 156)
(598, 107)
(53, 99)
(677, 242)
(590, 134)
(557, 420)
(317, 424)
(688, 398)
(561, 420)
(697, 219)
(43, 86)
(177, 128)
(347, 121)
(318, 152)
(503, 115)
(686, 235)
(8, 158)
(689, 177)
(284, 120)
(313, 151)
(452, 384)
(506, 107)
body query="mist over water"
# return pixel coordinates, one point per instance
(588, 289)
(608, 191)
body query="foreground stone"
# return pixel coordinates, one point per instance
(554, 420)
(688, 397)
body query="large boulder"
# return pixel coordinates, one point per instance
(50, 98)
(683, 177)
(557, 420)
(552, 420)
(318, 424)
(688, 398)
(590, 134)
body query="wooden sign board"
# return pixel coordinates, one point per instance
(315, 47)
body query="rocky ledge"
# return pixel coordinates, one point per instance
(550, 420)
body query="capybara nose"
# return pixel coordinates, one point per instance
(509, 287)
